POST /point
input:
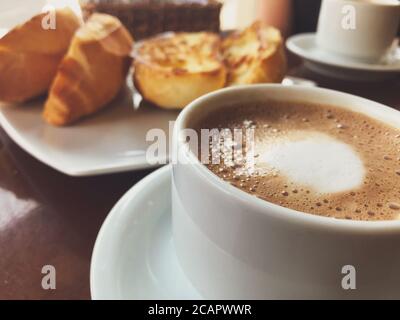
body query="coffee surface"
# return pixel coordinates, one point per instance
(318, 159)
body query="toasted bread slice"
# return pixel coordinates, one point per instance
(173, 69)
(254, 55)
(92, 72)
(30, 55)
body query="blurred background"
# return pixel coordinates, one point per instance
(290, 16)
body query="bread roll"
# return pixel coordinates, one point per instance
(30, 55)
(92, 72)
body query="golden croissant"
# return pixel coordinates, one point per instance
(92, 72)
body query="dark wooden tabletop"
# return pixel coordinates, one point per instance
(48, 218)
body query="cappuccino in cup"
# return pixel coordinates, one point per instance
(313, 158)
(277, 227)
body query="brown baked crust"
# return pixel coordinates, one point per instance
(173, 69)
(254, 55)
(92, 72)
(30, 55)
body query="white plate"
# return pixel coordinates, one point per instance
(134, 256)
(112, 140)
(304, 45)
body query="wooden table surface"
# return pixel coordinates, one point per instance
(48, 218)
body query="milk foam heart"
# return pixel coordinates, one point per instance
(315, 160)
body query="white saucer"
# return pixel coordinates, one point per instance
(134, 256)
(304, 45)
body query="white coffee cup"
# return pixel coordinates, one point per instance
(232, 245)
(358, 30)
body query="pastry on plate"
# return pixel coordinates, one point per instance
(173, 69)
(92, 72)
(254, 55)
(30, 55)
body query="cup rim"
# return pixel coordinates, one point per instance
(266, 207)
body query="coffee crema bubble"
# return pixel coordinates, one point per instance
(318, 159)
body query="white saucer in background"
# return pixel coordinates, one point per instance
(304, 45)
(134, 256)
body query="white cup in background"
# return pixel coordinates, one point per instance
(358, 30)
